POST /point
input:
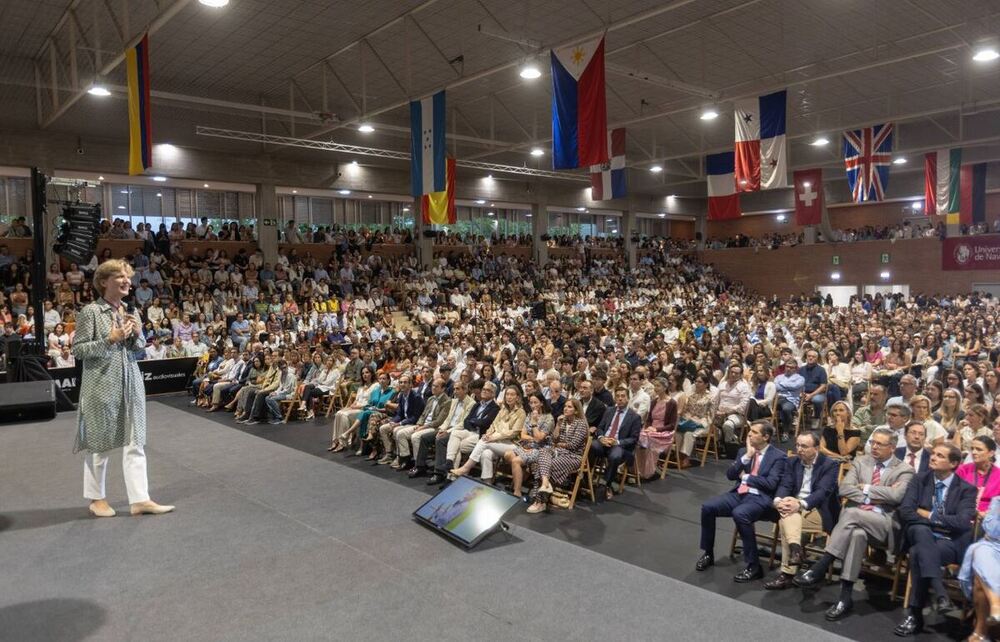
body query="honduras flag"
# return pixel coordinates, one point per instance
(579, 108)
(428, 172)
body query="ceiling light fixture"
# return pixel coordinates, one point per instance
(528, 215)
(656, 169)
(480, 202)
(343, 192)
(124, 191)
(537, 151)
(490, 214)
(530, 72)
(159, 195)
(215, 4)
(121, 207)
(100, 178)
(366, 128)
(986, 53)
(781, 218)
(835, 276)
(709, 114)
(205, 185)
(662, 215)
(917, 205)
(899, 160)
(99, 90)
(581, 209)
(369, 196)
(160, 179)
(820, 141)
(295, 191)
(406, 209)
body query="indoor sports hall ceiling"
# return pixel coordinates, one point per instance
(317, 68)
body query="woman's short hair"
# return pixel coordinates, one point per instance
(110, 269)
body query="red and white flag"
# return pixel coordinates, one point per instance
(607, 181)
(808, 196)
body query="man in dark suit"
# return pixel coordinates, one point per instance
(593, 408)
(597, 380)
(913, 454)
(463, 440)
(806, 501)
(616, 437)
(936, 514)
(757, 471)
(410, 405)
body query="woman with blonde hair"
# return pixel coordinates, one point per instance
(840, 439)
(112, 408)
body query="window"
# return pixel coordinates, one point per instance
(167, 205)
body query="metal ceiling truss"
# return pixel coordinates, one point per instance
(358, 150)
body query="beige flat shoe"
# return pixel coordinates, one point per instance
(101, 510)
(546, 488)
(150, 508)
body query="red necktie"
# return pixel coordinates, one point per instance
(913, 460)
(876, 478)
(744, 489)
(614, 425)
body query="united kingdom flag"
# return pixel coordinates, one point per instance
(867, 157)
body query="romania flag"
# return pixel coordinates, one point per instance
(439, 207)
(140, 149)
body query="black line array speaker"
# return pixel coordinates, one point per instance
(27, 401)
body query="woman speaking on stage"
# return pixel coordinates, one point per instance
(112, 410)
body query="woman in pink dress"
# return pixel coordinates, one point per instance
(658, 433)
(982, 472)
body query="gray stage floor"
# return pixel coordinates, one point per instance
(269, 543)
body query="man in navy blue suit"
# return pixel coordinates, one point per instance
(913, 454)
(806, 501)
(936, 513)
(616, 437)
(757, 472)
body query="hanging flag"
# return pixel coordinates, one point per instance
(941, 180)
(867, 156)
(761, 154)
(579, 109)
(140, 131)
(607, 181)
(972, 205)
(723, 201)
(808, 197)
(438, 208)
(427, 145)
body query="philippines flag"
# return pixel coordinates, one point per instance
(579, 109)
(428, 172)
(867, 156)
(607, 181)
(723, 201)
(761, 154)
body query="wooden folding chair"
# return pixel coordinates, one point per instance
(629, 469)
(710, 444)
(773, 539)
(325, 404)
(288, 406)
(673, 456)
(584, 472)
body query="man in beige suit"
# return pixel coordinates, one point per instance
(434, 414)
(421, 439)
(873, 487)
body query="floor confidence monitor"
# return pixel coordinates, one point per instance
(466, 510)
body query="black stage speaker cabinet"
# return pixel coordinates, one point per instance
(28, 401)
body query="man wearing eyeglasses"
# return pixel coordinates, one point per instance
(895, 418)
(873, 487)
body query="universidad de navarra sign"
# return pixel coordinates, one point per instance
(971, 253)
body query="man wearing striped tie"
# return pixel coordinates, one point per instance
(874, 487)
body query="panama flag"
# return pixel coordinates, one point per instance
(942, 171)
(579, 110)
(761, 154)
(607, 181)
(427, 145)
(723, 201)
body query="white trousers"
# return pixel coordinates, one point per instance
(485, 452)
(95, 470)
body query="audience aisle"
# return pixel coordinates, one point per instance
(655, 528)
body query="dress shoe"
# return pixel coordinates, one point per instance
(943, 604)
(912, 624)
(416, 472)
(839, 610)
(150, 508)
(436, 478)
(807, 579)
(704, 562)
(385, 459)
(794, 555)
(749, 574)
(101, 509)
(781, 582)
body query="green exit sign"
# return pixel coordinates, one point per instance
(885, 257)
(836, 259)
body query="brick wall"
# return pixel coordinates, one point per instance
(794, 270)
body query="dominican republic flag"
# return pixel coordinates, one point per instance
(438, 208)
(761, 153)
(972, 201)
(140, 129)
(867, 156)
(723, 201)
(579, 110)
(808, 197)
(607, 181)
(942, 170)
(427, 146)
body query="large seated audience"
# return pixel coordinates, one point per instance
(491, 365)
(904, 230)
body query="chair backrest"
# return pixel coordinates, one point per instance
(585, 459)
